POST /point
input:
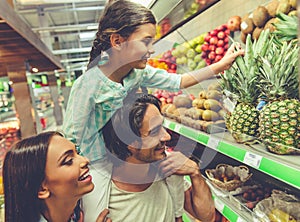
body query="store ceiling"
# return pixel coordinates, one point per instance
(66, 27)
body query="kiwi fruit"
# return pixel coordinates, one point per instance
(256, 33)
(269, 25)
(272, 7)
(293, 13)
(293, 3)
(260, 16)
(243, 37)
(247, 26)
(283, 7)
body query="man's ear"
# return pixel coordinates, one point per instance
(44, 192)
(116, 40)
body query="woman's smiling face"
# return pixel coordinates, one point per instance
(67, 173)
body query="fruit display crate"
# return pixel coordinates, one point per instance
(281, 167)
(228, 209)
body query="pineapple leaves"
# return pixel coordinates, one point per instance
(244, 72)
(279, 71)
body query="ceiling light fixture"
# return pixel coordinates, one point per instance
(145, 3)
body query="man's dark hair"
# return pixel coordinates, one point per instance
(124, 126)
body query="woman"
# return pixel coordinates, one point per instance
(44, 178)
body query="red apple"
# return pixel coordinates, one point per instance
(207, 38)
(226, 46)
(220, 43)
(211, 48)
(204, 55)
(212, 55)
(218, 58)
(204, 47)
(221, 35)
(213, 40)
(213, 32)
(226, 39)
(208, 61)
(192, 97)
(219, 50)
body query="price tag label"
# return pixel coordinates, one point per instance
(219, 205)
(240, 220)
(177, 128)
(213, 142)
(252, 159)
(166, 122)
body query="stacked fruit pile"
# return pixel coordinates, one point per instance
(195, 6)
(264, 17)
(165, 96)
(189, 53)
(202, 113)
(215, 45)
(165, 61)
(253, 195)
(267, 74)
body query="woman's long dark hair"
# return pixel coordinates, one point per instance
(122, 17)
(23, 173)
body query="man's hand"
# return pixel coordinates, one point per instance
(177, 163)
(103, 216)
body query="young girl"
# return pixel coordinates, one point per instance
(44, 178)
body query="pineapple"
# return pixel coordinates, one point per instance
(280, 118)
(241, 81)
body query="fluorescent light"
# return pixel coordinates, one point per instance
(92, 27)
(87, 35)
(145, 3)
(35, 69)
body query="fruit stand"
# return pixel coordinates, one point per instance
(248, 115)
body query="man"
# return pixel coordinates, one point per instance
(134, 182)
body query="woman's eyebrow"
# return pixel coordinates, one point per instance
(67, 153)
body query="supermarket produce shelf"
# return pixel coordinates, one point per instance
(282, 167)
(7, 115)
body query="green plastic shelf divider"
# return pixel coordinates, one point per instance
(188, 132)
(281, 172)
(232, 151)
(194, 135)
(230, 214)
(277, 170)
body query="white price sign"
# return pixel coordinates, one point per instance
(166, 122)
(240, 220)
(252, 159)
(177, 128)
(219, 205)
(213, 142)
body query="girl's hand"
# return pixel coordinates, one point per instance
(103, 216)
(229, 57)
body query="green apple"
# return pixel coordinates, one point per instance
(201, 64)
(191, 64)
(198, 58)
(198, 48)
(184, 60)
(175, 52)
(190, 53)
